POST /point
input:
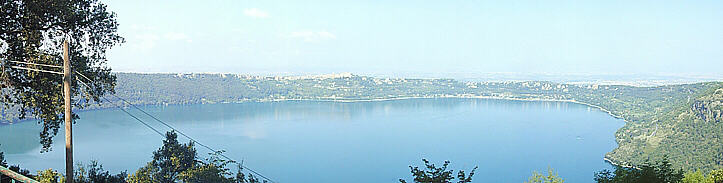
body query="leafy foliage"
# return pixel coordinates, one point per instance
(717, 176)
(660, 172)
(435, 174)
(2, 158)
(49, 176)
(33, 31)
(94, 173)
(695, 177)
(144, 175)
(15, 168)
(168, 161)
(215, 169)
(551, 177)
(176, 162)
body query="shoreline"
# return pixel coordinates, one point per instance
(608, 160)
(367, 100)
(464, 96)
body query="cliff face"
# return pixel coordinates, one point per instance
(709, 108)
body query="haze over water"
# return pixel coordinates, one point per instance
(304, 141)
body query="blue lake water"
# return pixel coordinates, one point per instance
(304, 141)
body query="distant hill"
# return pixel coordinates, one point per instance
(684, 122)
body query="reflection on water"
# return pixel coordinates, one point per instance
(305, 141)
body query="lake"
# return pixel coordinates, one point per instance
(306, 141)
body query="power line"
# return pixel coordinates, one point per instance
(38, 70)
(32, 69)
(164, 123)
(173, 128)
(134, 117)
(29, 63)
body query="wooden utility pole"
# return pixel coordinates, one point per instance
(68, 116)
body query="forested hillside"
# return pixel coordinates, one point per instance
(667, 121)
(684, 122)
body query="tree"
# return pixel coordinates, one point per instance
(2, 158)
(49, 176)
(175, 162)
(241, 177)
(33, 31)
(15, 168)
(215, 169)
(716, 176)
(212, 170)
(695, 177)
(551, 177)
(168, 161)
(605, 176)
(94, 173)
(204, 173)
(660, 172)
(435, 174)
(144, 175)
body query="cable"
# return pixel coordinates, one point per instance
(164, 123)
(134, 117)
(173, 128)
(28, 63)
(39, 70)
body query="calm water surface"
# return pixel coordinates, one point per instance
(354, 142)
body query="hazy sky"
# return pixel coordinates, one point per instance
(376, 36)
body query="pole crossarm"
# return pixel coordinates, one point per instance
(16, 176)
(38, 70)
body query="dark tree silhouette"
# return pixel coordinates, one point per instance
(176, 162)
(33, 31)
(435, 174)
(660, 172)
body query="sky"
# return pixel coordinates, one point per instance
(386, 37)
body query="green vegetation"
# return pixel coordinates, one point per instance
(49, 176)
(684, 122)
(33, 32)
(686, 129)
(698, 177)
(680, 121)
(434, 174)
(92, 173)
(15, 168)
(173, 162)
(176, 162)
(168, 162)
(661, 172)
(551, 177)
